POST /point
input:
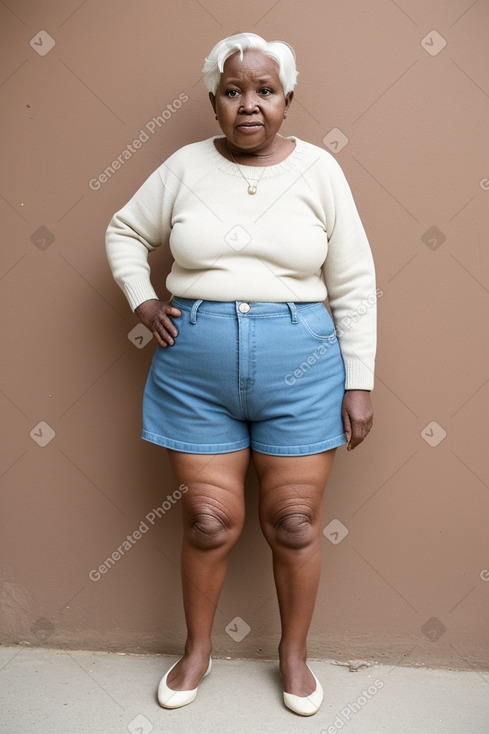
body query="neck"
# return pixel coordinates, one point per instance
(260, 156)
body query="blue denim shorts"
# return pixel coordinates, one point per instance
(240, 374)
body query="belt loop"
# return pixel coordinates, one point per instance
(293, 311)
(193, 312)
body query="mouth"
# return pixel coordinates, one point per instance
(249, 126)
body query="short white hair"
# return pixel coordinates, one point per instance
(279, 51)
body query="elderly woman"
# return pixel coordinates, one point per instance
(249, 363)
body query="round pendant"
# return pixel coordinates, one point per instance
(251, 189)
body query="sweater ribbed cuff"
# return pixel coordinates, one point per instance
(359, 375)
(138, 289)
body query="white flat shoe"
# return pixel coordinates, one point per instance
(170, 699)
(305, 705)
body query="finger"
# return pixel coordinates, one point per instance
(165, 327)
(356, 440)
(360, 430)
(158, 338)
(163, 335)
(170, 312)
(347, 429)
(168, 330)
(174, 312)
(166, 309)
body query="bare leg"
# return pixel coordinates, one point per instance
(213, 516)
(291, 493)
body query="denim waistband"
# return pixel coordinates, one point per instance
(247, 309)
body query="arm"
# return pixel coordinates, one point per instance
(135, 231)
(350, 280)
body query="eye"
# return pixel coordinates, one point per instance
(265, 91)
(231, 93)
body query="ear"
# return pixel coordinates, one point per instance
(288, 100)
(212, 98)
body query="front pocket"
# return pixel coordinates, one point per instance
(318, 323)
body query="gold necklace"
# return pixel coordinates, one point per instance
(252, 188)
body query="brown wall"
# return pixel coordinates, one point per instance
(416, 117)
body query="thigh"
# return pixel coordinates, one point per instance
(191, 402)
(292, 483)
(212, 481)
(298, 391)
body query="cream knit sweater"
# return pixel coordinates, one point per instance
(299, 238)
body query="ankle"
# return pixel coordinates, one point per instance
(292, 652)
(198, 648)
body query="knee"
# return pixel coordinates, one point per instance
(293, 529)
(209, 529)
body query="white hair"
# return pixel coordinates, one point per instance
(279, 51)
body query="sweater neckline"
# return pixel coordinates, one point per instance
(257, 172)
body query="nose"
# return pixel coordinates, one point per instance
(248, 103)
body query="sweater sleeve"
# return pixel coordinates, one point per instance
(141, 226)
(349, 275)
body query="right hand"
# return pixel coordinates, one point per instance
(156, 316)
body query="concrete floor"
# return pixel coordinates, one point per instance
(71, 692)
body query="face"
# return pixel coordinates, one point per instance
(250, 102)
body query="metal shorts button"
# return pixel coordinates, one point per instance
(244, 307)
